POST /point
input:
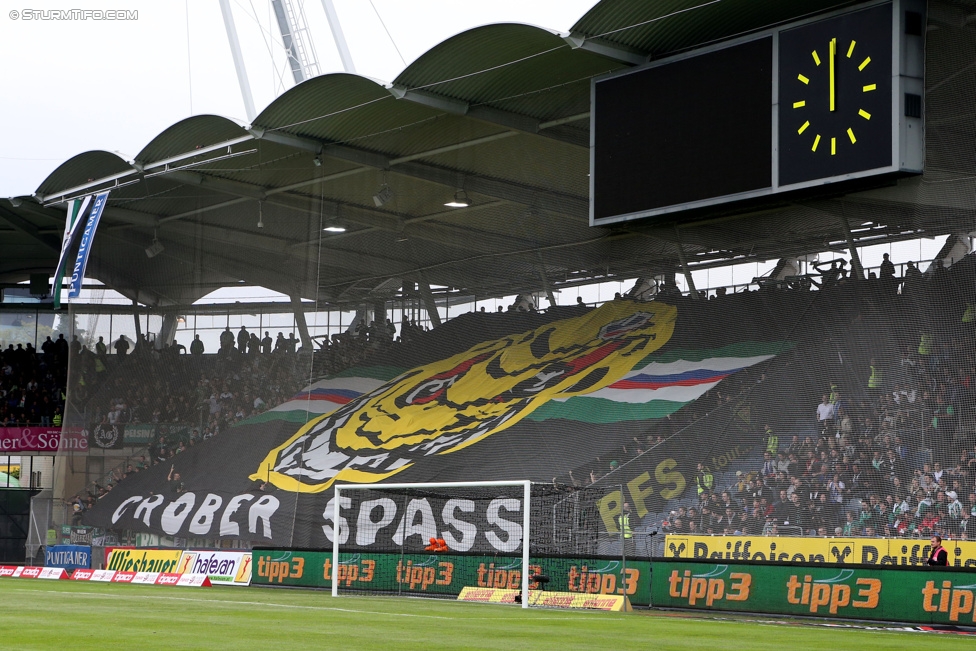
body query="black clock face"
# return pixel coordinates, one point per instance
(835, 96)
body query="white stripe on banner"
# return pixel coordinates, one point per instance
(710, 363)
(84, 247)
(325, 396)
(665, 381)
(640, 396)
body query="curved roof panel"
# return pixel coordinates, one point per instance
(487, 51)
(189, 134)
(320, 99)
(85, 167)
(340, 108)
(507, 65)
(659, 27)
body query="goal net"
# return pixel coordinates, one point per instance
(514, 537)
(429, 539)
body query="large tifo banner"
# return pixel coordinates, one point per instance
(891, 594)
(785, 549)
(447, 574)
(482, 397)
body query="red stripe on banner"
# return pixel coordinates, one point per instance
(691, 382)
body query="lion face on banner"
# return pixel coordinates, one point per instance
(452, 403)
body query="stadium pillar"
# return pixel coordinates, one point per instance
(167, 332)
(684, 266)
(361, 317)
(429, 303)
(856, 267)
(379, 313)
(546, 286)
(296, 302)
(135, 318)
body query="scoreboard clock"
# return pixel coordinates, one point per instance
(835, 112)
(830, 99)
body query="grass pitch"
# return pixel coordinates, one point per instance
(99, 616)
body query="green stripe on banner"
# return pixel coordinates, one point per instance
(602, 411)
(742, 349)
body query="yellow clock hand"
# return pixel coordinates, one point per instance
(833, 80)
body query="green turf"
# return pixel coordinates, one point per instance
(99, 616)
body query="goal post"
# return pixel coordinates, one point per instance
(378, 545)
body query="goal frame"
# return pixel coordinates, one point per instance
(526, 497)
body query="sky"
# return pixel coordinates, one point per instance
(74, 86)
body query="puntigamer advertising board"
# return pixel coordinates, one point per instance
(841, 551)
(447, 574)
(891, 594)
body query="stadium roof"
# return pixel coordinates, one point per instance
(500, 112)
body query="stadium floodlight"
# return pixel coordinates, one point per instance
(383, 195)
(472, 509)
(460, 200)
(155, 248)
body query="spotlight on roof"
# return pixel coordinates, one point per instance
(333, 225)
(317, 161)
(460, 200)
(383, 195)
(155, 248)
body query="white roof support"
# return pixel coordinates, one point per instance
(340, 38)
(235, 52)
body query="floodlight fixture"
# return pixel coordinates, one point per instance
(155, 248)
(383, 195)
(460, 200)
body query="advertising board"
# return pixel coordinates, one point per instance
(223, 568)
(840, 551)
(447, 574)
(918, 595)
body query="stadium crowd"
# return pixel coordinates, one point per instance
(892, 454)
(890, 450)
(32, 383)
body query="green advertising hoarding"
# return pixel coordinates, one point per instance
(143, 434)
(446, 574)
(920, 595)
